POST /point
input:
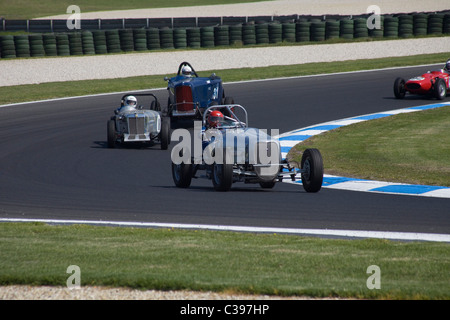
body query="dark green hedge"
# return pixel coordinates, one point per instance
(302, 30)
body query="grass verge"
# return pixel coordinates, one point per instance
(274, 264)
(23, 93)
(408, 148)
(25, 9)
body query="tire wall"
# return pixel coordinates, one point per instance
(258, 32)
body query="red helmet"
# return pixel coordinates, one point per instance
(215, 118)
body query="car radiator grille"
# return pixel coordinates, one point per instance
(184, 98)
(136, 125)
(413, 86)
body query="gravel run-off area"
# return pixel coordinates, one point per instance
(40, 70)
(22, 292)
(34, 71)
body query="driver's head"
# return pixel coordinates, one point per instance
(447, 65)
(130, 101)
(186, 71)
(215, 119)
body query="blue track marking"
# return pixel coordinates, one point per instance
(290, 139)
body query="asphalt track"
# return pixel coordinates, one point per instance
(54, 164)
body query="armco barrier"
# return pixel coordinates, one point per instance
(100, 36)
(60, 25)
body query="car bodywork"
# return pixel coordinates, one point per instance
(433, 84)
(189, 96)
(255, 159)
(139, 125)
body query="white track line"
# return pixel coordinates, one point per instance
(409, 236)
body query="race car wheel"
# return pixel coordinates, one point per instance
(222, 174)
(312, 170)
(155, 105)
(182, 174)
(165, 133)
(169, 112)
(111, 129)
(399, 88)
(440, 90)
(228, 100)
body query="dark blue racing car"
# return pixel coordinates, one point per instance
(190, 95)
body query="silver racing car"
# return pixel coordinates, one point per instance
(135, 124)
(232, 152)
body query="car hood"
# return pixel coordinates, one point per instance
(430, 75)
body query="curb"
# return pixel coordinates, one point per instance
(290, 139)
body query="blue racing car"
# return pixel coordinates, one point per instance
(190, 95)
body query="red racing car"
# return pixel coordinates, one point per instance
(433, 84)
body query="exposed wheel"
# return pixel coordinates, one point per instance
(228, 100)
(440, 90)
(182, 174)
(312, 167)
(169, 112)
(165, 133)
(155, 105)
(399, 88)
(111, 129)
(222, 174)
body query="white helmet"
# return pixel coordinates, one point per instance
(130, 101)
(447, 65)
(187, 71)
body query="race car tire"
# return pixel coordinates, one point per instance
(165, 133)
(169, 112)
(222, 173)
(182, 174)
(399, 88)
(228, 100)
(156, 106)
(312, 164)
(440, 90)
(111, 129)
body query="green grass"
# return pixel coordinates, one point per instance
(410, 148)
(273, 264)
(23, 93)
(26, 9)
